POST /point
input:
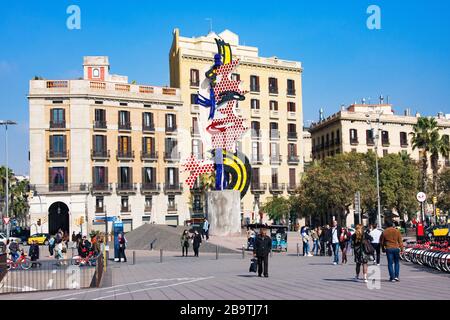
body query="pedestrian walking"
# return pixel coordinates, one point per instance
(122, 246)
(334, 235)
(262, 248)
(344, 240)
(375, 233)
(323, 241)
(304, 232)
(205, 229)
(184, 242)
(360, 241)
(392, 243)
(33, 253)
(315, 234)
(197, 240)
(51, 245)
(74, 237)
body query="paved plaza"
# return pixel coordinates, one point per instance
(290, 278)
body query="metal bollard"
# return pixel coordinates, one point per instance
(298, 249)
(134, 257)
(243, 252)
(217, 252)
(160, 255)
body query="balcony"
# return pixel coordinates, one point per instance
(276, 159)
(57, 125)
(276, 188)
(257, 159)
(255, 113)
(126, 209)
(148, 128)
(101, 188)
(354, 142)
(290, 92)
(256, 133)
(370, 142)
(100, 154)
(125, 126)
(293, 159)
(57, 155)
(100, 125)
(171, 156)
(292, 135)
(171, 129)
(60, 188)
(385, 143)
(292, 187)
(149, 155)
(195, 132)
(274, 134)
(256, 187)
(125, 155)
(173, 187)
(274, 114)
(150, 188)
(126, 188)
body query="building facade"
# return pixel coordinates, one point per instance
(272, 109)
(350, 129)
(99, 147)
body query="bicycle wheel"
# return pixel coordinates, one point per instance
(26, 263)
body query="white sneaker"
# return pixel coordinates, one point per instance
(334, 263)
(365, 281)
(378, 264)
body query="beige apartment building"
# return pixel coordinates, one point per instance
(100, 146)
(350, 130)
(272, 109)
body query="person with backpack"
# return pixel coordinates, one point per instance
(361, 243)
(344, 240)
(392, 243)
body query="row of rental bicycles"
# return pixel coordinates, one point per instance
(431, 253)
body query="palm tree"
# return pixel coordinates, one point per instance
(11, 179)
(426, 138)
(440, 147)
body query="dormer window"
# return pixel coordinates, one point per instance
(96, 73)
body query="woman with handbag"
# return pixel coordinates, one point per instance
(361, 246)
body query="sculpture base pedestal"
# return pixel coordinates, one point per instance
(224, 212)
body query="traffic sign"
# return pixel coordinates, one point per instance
(421, 197)
(6, 220)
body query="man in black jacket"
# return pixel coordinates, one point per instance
(261, 250)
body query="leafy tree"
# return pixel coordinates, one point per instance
(278, 208)
(444, 190)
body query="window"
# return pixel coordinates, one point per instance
(255, 176)
(235, 77)
(148, 145)
(193, 98)
(291, 106)
(195, 79)
(125, 175)
(148, 206)
(274, 151)
(172, 176)
(57, 118)
(124, 204)
(99, 207)
(254, 83)
(124, 147)
(353, 136)
(292, 176)
(273, 105)
(171, 148)
(197, 151)
(403, 139)
(292, 150)
(273, 85)
(274, 176)
(290, 87)
(370, 138)
(58, 179)
(124, 120)
(100, 176)
(99, 145)
(95, 73)
(385, 138)
(171, 202)
(58, 146)
(146, 219)
(274, 133)
(195, 129)
(197, 203)
(255, 129)
(239, 146)
(292, 131)
(147, 122)
(149, 176)
(171, 122)
(254, 104)
(100, 118)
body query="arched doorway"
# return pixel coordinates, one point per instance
(58, 218)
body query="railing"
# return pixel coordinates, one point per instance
(148, 128)
(122, 87)
(100, 124)
(48, 275)
(150, 187)
(177, 187)
(257, 159)
(57, 84)
(292, 187)
(61, 187)
(126, 187)
(292, 135)
(354, 141)
(291, 92)
(125, 126)
(370, 142)
(276, 187)
(276, 159)
(256, 134)
(100, 154)
(57, 155)
(149, 156)
(385, 143)
(97, 85)
(171, 156)
(171, 129)
(404, 144)
(274, 134)
(273, 90)
(194, 83)
(125, 209)
(254, 88)
(258, 187)
(101, 187)
(169, 91)
(125, 155)
(293, 159)
(195, 132)
(58, 124)
(146, 89)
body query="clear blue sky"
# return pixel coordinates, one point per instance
(408, 59)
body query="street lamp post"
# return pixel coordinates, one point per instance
(6, 123)
(376, 138)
